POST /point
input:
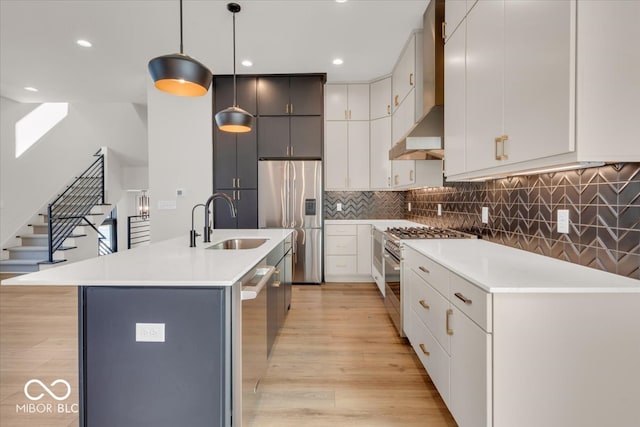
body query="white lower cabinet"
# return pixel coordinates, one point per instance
(470, 372)
(347, 252)
(453, 348)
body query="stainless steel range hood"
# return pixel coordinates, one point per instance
(425, 140)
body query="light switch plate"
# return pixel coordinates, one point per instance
(439, 209)
(563, 220)
(339, 207)
(149, 332)
(485, 215)
(167, 204)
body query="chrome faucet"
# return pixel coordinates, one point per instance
(208, 204)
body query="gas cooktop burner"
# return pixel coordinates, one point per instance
(426, 233)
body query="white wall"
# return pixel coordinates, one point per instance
(180, 157)
(29, 182)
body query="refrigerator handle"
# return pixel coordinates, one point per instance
(292, 218)
(285, 219)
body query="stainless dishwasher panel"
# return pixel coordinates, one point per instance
(254, 338)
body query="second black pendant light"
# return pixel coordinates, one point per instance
(234, 119)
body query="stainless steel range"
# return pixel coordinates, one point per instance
(392, 259)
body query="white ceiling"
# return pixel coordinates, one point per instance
(37, 42)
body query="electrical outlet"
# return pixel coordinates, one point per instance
(563, 221)
(409, 206)
(149, 332)
(485, 215)
(439, 209)
(339, 207)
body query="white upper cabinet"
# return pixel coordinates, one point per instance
(454, 12)
(404, 117)
(346, 155)
(380, 105)
(455, 101)
(347, 101)
(536, 100)
(380, 177)
(404, 74)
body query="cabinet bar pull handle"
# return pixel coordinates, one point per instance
(463, 298)
(233, 183)
(421, 268)
(411, 175)
(395, 180)
(292, 150)
(291, 109)
(424, 350)
(345, 115)
(501, 140)
(449, 330)
(395, 100)
(388, 109)
(444, 29)
(424, 304)
(288, 150)
(286, 108)
(238, 182)
(411, 79)
(238, 195)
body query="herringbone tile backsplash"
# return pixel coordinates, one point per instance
(603, 204)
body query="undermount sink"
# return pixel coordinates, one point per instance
(239, 244)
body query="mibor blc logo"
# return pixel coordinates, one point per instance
(35, 390)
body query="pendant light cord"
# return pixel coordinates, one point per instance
(181, 47)
(235, 90)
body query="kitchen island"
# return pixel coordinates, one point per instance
(160, 329)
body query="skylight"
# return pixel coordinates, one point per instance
(37, 123)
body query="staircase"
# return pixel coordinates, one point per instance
(54, 232)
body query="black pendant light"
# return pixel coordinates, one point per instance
(180, 74)
(234, 119)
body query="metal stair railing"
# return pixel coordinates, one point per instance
(138, 230)
(70, 209)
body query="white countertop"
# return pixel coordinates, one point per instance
(380, 224)
(501, 269)
(166, 263)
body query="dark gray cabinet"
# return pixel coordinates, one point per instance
(290, 137)
(290, 110)
(130, 377)
(246, 201)
(290, 95)
(235, 156)
(279, 291)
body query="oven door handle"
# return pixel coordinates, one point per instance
(393, 262)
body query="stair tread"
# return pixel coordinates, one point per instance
(21, 261)
(36, 248)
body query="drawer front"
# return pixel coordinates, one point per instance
(437, 361)
(434, 273)
(341, 230)
(341, 245)
(341, 265)
(471, 300)
(430, 306)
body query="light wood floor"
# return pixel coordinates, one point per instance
(338, 361)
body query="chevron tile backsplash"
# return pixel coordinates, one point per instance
(364, 204)
(603, 204)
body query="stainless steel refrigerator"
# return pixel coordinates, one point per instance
(290, 196)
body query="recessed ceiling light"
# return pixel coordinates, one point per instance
(247, 63)
(338, 61)
(30, 89)
(84, 43)
(341, 1)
